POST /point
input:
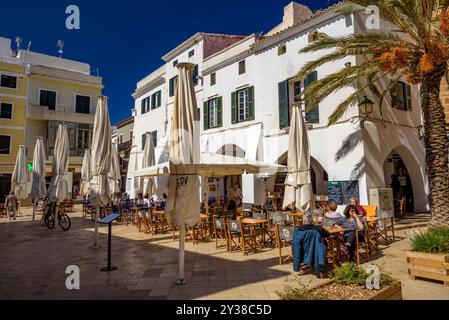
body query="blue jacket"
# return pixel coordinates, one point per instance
(308, 248)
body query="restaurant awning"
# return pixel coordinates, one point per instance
(216, 165)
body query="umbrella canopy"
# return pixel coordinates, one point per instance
(86, 173)
(149, 160)
(298, 187)
(58, 189)
(20, 175)
(114, 172)
(38, 189)
(216, 165)
(100, 187)
(184, 189)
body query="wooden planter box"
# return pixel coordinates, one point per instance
(433, 266)
(393, 292)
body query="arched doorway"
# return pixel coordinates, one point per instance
(403, 178)
(218, 187)
(318, 176)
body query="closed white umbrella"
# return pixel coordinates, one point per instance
(114, 172)
(183, 195)
(149, 160)
(58, 189)
(298, 187)
(20, 176)
(38, 189)
(100, 188)
(86, 173)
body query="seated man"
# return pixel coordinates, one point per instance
(349, 225)
(307, 224)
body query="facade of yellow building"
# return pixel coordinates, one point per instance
(45, 91)
(13, 106)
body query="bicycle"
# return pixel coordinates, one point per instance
(50, 214)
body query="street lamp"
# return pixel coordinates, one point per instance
(366, 106)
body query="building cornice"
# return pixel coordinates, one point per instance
(148, 87)
(227, 62)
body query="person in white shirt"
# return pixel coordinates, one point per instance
(333, 214)
(235, 194)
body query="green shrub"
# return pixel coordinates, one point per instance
(299, 291)
(349, 273)
(433, 241)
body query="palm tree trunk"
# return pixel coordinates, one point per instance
(436, 149)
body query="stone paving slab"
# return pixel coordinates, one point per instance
(34, 259)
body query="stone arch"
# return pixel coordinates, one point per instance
(415, 172)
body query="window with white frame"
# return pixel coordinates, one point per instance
(213, 113)
(82, 104)
(5, 111)
(5, 144)
(242, 105)
(47, 98)
(8, 81)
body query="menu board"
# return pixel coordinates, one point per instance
(342, 191)
(383, 199)
(335, 191)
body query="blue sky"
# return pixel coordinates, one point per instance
(125, 40)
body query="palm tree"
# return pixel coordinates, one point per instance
(417, 49)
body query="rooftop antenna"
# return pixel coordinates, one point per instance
(18, 41)
(60, 46)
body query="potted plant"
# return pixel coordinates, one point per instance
(347, 282)
(430, 256)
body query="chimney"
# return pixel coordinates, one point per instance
(293, 13)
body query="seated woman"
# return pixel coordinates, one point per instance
(307, 224)
(355, 202)
(349, 224)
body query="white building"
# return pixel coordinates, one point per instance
(244, 98)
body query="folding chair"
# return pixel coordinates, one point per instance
(284, 238)
(361, 240)
(244, 237)
(220, 233)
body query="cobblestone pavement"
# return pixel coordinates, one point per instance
(33, 262)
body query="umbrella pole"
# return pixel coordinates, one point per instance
(182, 237)
(206, 185)
(34, 209)
(97, 216)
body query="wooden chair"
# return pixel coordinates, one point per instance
(284, 238)
(244, 237)
(385, 226)
(371, 210)
(275, 219)
(220, 233)
(2, 210)
(362, 249)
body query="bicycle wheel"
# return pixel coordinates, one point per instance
(49, 220)
(64, 222)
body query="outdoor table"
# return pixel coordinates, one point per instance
(253, 223)
(334, 240)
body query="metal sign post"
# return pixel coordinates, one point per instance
(108, 220)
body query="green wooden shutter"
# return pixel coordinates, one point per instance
(284, 117)
(219, 111)
(313, 115)
(206, 115)
(250, 103)
(234, 107)
(408, 98)
(142, 107)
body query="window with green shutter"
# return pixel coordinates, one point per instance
(313, 115)
(284, 114)
(213, 113)
(172, 86)
(243, 105)
(401, 97)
